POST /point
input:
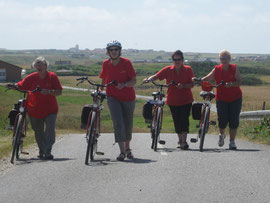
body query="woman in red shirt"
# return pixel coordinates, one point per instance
(45, 110)
(228, 97)
(179, 97)
(121, 98)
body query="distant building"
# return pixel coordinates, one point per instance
(75, 49)
(10, 72)
(63, 63)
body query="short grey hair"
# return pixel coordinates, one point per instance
(39, 60)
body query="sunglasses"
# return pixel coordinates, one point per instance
(177, 59)
(114, 49)
(224, 58)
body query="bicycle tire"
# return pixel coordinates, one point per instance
(157, 128)
(153, 124)
(90, 135)
(93, 148)
(20, 140)
(16, 137)
(204, 127)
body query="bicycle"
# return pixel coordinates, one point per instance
(20, 124)
(157, 114)
(207, 94)
(93, 124)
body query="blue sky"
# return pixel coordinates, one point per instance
(240, 26)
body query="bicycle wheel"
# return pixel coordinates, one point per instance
(153, 124)
(93, 148)
(16, 138)
(20, 140)
(157, 128)
(90, 134)
(204, 127)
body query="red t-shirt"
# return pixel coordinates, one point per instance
(122, 72)
(226, 94)
(45, 104)
(177, 96)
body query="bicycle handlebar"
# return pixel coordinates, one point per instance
(160, 85)
(13, 86)
(82, 79)
(198, 81)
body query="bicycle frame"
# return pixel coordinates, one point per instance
(157, 120)
(93, 124)
(205, 117)
(20, 125)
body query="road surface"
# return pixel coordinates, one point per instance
(169, 175)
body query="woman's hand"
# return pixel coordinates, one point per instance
(228, 84)
(45, 91)
(146, 80)
(179, 85)
(121, 85)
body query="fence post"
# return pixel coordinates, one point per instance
(263, 107)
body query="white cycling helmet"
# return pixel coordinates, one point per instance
(114, 43)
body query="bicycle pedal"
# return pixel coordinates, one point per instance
(194, 140)
(162, 142)
(100, 153)
(26, 153)
(213, 122)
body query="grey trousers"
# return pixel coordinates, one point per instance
(122, 116)
(45, 136)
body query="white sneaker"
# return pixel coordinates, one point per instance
(221, 139)
(232, 145)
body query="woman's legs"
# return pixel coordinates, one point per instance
(122, 116)
(180, 116)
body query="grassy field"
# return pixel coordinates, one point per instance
(71, 103)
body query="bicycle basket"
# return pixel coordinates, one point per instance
(207, 86)
(85, 113)
(147, 111)
(197, 110)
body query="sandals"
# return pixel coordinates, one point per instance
(121, 157)
(129, 154)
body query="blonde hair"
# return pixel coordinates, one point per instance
(41, 60)
(225, 53)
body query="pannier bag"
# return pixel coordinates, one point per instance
(197, 110)
(12, 116)
(13, 113)
(148, 111)
(85, 113)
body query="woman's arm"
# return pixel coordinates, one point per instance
(210, 76)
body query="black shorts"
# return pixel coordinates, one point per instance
(180, 115)
(228, 112)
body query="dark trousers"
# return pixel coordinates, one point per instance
(44, 132)
(228, 112)
(180, 115)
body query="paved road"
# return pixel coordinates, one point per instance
(169, 175)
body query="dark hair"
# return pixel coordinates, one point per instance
(178, 53)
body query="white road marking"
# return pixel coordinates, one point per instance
(162, 152)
